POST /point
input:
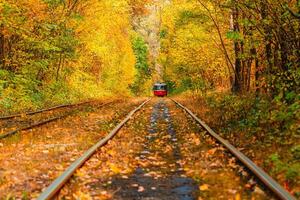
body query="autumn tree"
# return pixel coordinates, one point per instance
(65, 50)
(192, 50)
(259, 41)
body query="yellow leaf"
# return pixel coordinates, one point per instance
(237, 197)
(79, 173)
(111, 152)
(82, 196)
(114, 169)
(203, 187)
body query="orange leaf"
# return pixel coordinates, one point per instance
(203, 187)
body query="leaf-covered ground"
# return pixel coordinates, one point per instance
(161, 154)
(25, 119)
(260, 146)
(30, 160)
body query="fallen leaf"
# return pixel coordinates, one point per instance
(237, 197)
(141, 189)
(212, 151)
(248, 186)
(45, 151)
(114, 168)
(203, 187)
(258, 190)
(82, 196)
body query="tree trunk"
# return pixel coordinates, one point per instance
(58, 66)
(237, 86)
(226, 54)
(268, 36)
(284, 51)
(2, 51)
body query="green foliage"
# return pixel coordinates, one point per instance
(258, 115)
(36, 46)
(163, 33)
(233, 35)
(187, 16)
(187, 84)
(274, 124)
(56, 52)
(278, 164)
(291, 169)
(54, 3)
(191, 60)
(171, 85)
(296, 152)
(143, 72)
(286, 84)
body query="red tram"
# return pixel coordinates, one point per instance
(160, 90)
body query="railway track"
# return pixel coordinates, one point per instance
(170, 141)
(27, 123)
(52, 190)
(267, 180)
(42, 110)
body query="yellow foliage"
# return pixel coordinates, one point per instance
(190, 48)
(65, 50)
(105, 37)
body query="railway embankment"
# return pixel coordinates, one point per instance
(266, 132)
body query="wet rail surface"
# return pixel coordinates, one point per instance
(162, 180)
(159, 154)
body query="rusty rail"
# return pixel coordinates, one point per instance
(13, 132)
(58, 183)
(10, 133)
(268, 181)
(42, 110)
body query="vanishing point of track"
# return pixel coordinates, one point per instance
(52, 190)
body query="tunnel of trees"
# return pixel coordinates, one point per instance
(240, 58)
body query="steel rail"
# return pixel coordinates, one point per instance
(43, 110)
(59, 182)
(276, 188)
(10, 133)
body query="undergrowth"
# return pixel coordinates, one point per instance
(271, 126)
(32, 97)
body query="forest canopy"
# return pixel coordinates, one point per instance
(245, 45)
(55, 51)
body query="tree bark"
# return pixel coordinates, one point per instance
(237, 86)
(226, 54)
(58, 66)
(2, 51)
(268, 36)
